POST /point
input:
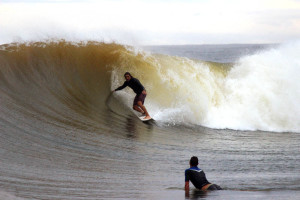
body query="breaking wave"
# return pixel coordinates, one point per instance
(52, 79)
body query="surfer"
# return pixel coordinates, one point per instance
(197, 177)
(138, 88)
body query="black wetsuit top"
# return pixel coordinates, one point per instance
(196, 176)
(134, 84)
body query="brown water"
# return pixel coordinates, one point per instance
(64, 137)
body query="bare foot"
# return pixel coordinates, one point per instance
(147, 117)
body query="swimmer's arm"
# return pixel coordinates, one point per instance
(187, 182)
(187, 188)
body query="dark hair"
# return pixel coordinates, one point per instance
(127, 73)
(194, 161)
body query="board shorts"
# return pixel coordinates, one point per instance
(139, 97)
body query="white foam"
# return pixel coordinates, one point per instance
(262, 91)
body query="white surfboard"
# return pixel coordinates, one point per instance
(144, 120)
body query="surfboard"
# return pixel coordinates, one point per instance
(145, 120)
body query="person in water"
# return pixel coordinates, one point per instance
(138, 88)
(197, 177)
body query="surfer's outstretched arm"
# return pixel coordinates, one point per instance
(121, 87)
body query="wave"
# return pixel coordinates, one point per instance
(259, 92)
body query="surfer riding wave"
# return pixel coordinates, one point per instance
(139, 89)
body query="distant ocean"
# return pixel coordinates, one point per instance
(64, 136)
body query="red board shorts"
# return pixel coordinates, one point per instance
(139, 97)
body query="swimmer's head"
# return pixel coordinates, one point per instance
(194, 161)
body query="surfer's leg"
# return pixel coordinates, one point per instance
(135, 105)
(214, 187)
(140, 104)
(137, 108)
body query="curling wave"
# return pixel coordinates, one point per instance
(61, 80)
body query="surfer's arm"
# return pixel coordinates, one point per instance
(122, 87)
(187, 186)
(187, 182)
(187, 189)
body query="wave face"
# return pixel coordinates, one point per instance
(53, 79)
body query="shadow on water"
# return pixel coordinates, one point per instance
(196, 194)
(133, 126)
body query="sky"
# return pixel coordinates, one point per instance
(151, 22)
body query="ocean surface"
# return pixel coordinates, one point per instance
(63, 135)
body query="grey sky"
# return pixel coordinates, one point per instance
(152, 22)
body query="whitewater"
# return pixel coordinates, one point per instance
(261, 91)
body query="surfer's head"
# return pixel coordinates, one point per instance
(194, 161)
(127, 76)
